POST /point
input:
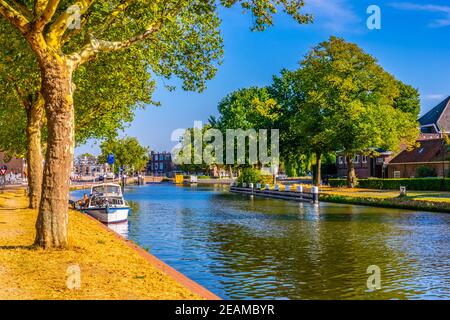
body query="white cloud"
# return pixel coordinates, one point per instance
(435, 97)
(333, 15)
(443, 21)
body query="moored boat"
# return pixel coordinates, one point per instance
(106, 204)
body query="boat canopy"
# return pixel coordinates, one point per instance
(106, 189)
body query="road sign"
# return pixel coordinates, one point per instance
(110, 159)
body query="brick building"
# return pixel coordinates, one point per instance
(432, 151)
(437, 120)
(366, 165)
(16, 166)
(160, 164)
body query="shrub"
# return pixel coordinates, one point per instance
(425, 172)
(337, 183)
(250, 175)
(420, 184)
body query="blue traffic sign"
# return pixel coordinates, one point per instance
(110, 158)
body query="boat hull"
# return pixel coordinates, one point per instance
(109, 215)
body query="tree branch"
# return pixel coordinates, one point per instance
(59, 27)
(89, 51)
(16, 18)
(39, 7)
(46, 15)
(67, 36)
(24, 9)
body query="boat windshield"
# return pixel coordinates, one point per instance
(106, 189)
(103, 201)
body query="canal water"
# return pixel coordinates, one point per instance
(240, 247)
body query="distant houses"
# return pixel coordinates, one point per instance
(431, 154)
(160, 164)
(366, 166)
(15, 166)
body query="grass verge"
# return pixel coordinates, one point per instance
(110, 269)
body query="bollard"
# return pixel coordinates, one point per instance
(315, 194)
(267, 186)
(258, 186)
(250, 185)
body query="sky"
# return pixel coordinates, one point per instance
(413, 44)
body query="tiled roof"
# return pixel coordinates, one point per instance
(431, 150)
(432, 116)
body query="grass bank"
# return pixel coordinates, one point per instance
(415, 200)
(110, 267)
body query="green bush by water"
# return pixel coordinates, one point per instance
(421, 184)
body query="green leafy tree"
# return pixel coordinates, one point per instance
(303, 119)
(174, 37)
(127, 153)
(103, 102)
(351, 103)
(250, 175)
(409, 100)
(190, 156)
(295, 153)
(246, 109)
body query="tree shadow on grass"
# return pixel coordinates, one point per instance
(13, 209)
(29, 247)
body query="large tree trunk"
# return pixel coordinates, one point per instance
(51, 225)
(34, 152)
(351, 175)
(318, 172)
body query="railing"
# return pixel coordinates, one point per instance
(296, 195)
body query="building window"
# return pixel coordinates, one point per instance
(364, 159)
(357, 158)
(379, 160)
(161, 166)
(341, 160)
(397, 174)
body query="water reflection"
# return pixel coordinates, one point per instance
(241, 247)
(120, 228)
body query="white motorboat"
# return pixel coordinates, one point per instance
(106, 204)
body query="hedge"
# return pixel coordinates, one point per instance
(398, 202)
(421, 184)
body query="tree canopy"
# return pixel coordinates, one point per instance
(172, 37)
(352, 104)
(128, 153)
